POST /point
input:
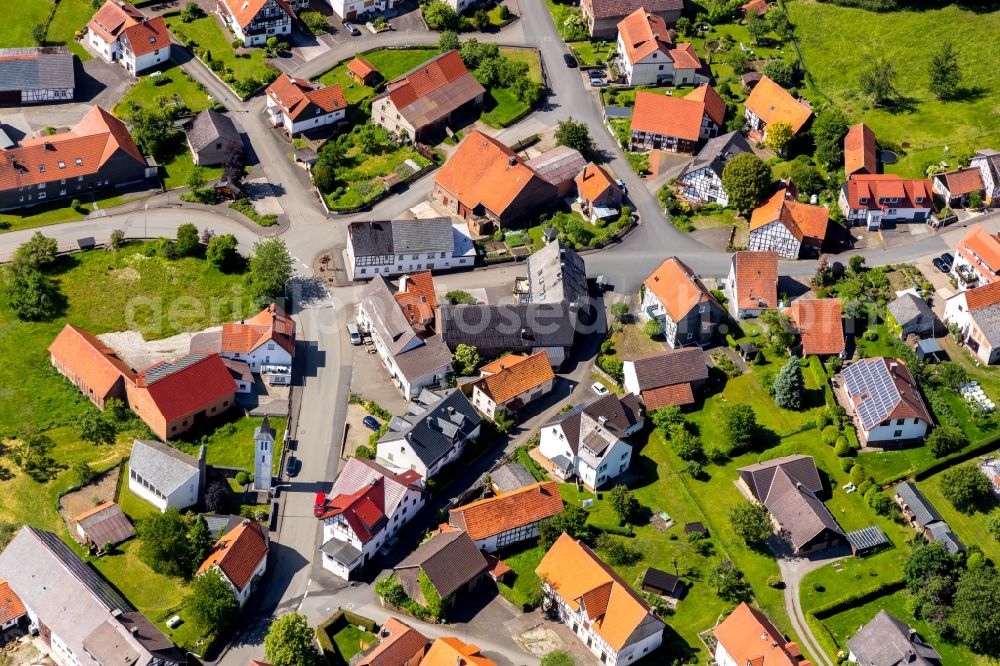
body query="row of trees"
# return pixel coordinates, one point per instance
(877, 80)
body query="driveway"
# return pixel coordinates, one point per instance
(793, 570)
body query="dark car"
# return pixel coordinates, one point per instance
(293, 467)
(319, 504)
(947, 258)
(569, 60)
(940, 265)
(372, 423)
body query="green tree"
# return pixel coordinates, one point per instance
(117, 239)
(624, 503)
(38, 251)
(993, 525)
(974, 613)
(757, 27)
(270, 268)
(199, 540)
(739, 426)
(780, 72)
(619, 311)
(289, 642)
(481, 19)
(195, 180)
(221, 250)
(211, 602)
(738, 60)
(448, 41)
(96, 429)
(777, 19)
(943, 72)
(525, 90)
(441, 17)
(949, 375)
(575, 135)
(966, 488)
(188, 242)
(504, 421)
(779, 137)
(751, 523)
(779, 330)
(617, 552)
(32, 456)
(686, 445)
(459, 297)
(190, 12)
(30, 295)
(467, 359)
(38, 34)
(878, 80)
(789, 385)
(164, 543)
(653, 328)
(729, 583)
(828, 131)
(806, 178)
(151, 130)
(667, 418)
(371, 138)
(683, 26)
(745, 178)
(946, 439)
(557, 658)
(856, 263)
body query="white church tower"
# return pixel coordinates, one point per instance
(264, 455)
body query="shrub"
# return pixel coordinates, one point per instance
(616, 551)
(843, 449)
(830, 435)
(242, 478)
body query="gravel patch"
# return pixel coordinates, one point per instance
(139, 353)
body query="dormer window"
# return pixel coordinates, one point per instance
(862, 200)
(41, 168)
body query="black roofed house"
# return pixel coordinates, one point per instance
(670, 378)
(887, 641)
(510, 477)
(104, 524)
(787, 486)
(702, 179)
(662, 583)
(431, 434)
(212, 136)
(451, 562)
(915, 317)
(397, 247)
(80, 618)
(36, 74)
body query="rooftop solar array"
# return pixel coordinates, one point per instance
(867, 538)
(161, 370)
(82, 572)
(872, 387)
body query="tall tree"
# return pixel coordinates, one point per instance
(974, 613)
(828, 130)
(30, 295)
(925, 561)
(878, 80)
(966, 488)
(164, 543)
(467, 359)
(779, 137)
(944, 72)
(751, 523)
(624, 503)
(448, 41)
(270, 268)
(188, 243)
(739, 426)
(211, 602)
(289, 642)
(777, 18)
(575, 135)
(745, 178)
(789, 385)
(97, 429)
(38, 251)
(757, 27)
(221, 250)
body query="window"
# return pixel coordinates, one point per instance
(900, 421)
(41, 168)
(79, 161)
(897, 433)
(62, 165)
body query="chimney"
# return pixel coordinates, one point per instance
(135, 631)
(403, 282)
(451, 409)
(512, 160)
(602, 419)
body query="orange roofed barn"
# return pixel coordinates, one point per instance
(676, 124)
(860, 150)
(748, 637)
(769, 103)
(96, 154)
(90, 364)
(497, 522)
(676, 297)
(399, 644)
(605, 613)
(240, 555)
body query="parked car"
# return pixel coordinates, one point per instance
(351, 28)
(599, 388)
(569, 60)
(598, 82)
(940, 265)
(948, 259)
(293, 467)
(372, 423)
(352, 330)
(621, 184)
(319, 504)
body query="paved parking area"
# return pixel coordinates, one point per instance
(262, 195)
(371, 380)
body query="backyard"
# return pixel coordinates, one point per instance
(390, 63)
(21, 18)
(230, 443)
(70, 17)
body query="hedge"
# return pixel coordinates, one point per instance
(983, 446)
(625, 531)
(333, 624)
(858, 599)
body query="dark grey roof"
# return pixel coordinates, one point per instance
(511, 477)
(666, 583)
(929, 346)
(923, 511)
(799, 513)
(109, 525)
(210, 127)
(717, 152)
(36, 68)
(341, 551)
(604, 9)
(988, 320)
(760, 476)
(387, 319)
(264, 430)
(941, 532)
(419, 236)
(450, 560)
(867, 538)
(617, 112)
(517, 327)
(616, 414)
(677, 366)
(556, 273)
(432, 355)
(220, 524)
(557, 166)
(914, 315)
(887, 641)
(163, 466)
(437, 420)
(370, 239)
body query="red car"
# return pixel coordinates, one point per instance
(319, 504)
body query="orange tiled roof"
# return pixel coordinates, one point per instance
(642, 34)
(417, 299)
(962, 181)
(147, 36)
(750, 638)
(269, 325)
(245, 11)
(803, 220)
(398, 644)
(524, 506)
(667, 116)
(295, 96)
(978, 245)
(677, 288)
(426, 78)
(982, 297)
(450, 651)
(684, 57)
(772, 103)
(593, 181)
(238, 553)
(513, 380)
(501, 363)
(187, 385)
(11, 606)
(756, 279)
(484, 171)
(662, 396)
(95, 363)
(106, 504)
(361, 67)
(820, 325)
(860, 150)
(758, 6)
(111, 20)
(577, 575)
(873, 188)
(81, 151)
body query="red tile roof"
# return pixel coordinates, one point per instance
(642, 34)
(519, 508)
(112, 19)
(684, 57)
(979, 247)
(501, 363)
(269, 325)
(297, 96)
(860, 151)
(677, 288)
(667, 116)
(187, 385)
(245, 11)
(961, 181)
(675, 394)
(81, 151)
(361, 67)
(820, 325)
(363, 510)
(451, 651)
(398, 644)
(715, 106)
(750, 638)
(417, 299)
(425, 79)
(517, 378)
(95, 363)
(804, 221)
(147, 36)
(593, 181)
(772, 103)
(758, 6)
(756, 280)
(238, 553)
(982, 297)
(11, 606)
(874, 188)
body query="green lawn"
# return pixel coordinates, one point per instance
(393, 63)
(836, 42)
(359, 176)
(523, 561)
(172, 88)
(354, 93)
(59, 211)
(527, 56)
(21, 17)
(588, 53)
(231, 444)
(350, 641)
(178, 168)
(970, 529)
(71, 16)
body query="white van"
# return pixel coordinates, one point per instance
(352, 330)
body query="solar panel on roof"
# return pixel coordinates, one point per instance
(162, 370)
(867, 538)
(872, 384)
(82, 572)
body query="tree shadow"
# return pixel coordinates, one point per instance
(901, 104)
(970, 93)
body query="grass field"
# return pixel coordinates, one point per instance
(59, 211)
(836, 42)
(173, 87)
(350, 641)
(393, 63)
(970, 529)
(71, 16)
(20, 18)
(232, 445)
(207, 34)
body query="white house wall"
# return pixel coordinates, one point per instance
(774, 237)
(911, 428)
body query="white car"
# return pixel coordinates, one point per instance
(599, 388)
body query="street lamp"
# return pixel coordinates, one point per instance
(280, 485)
